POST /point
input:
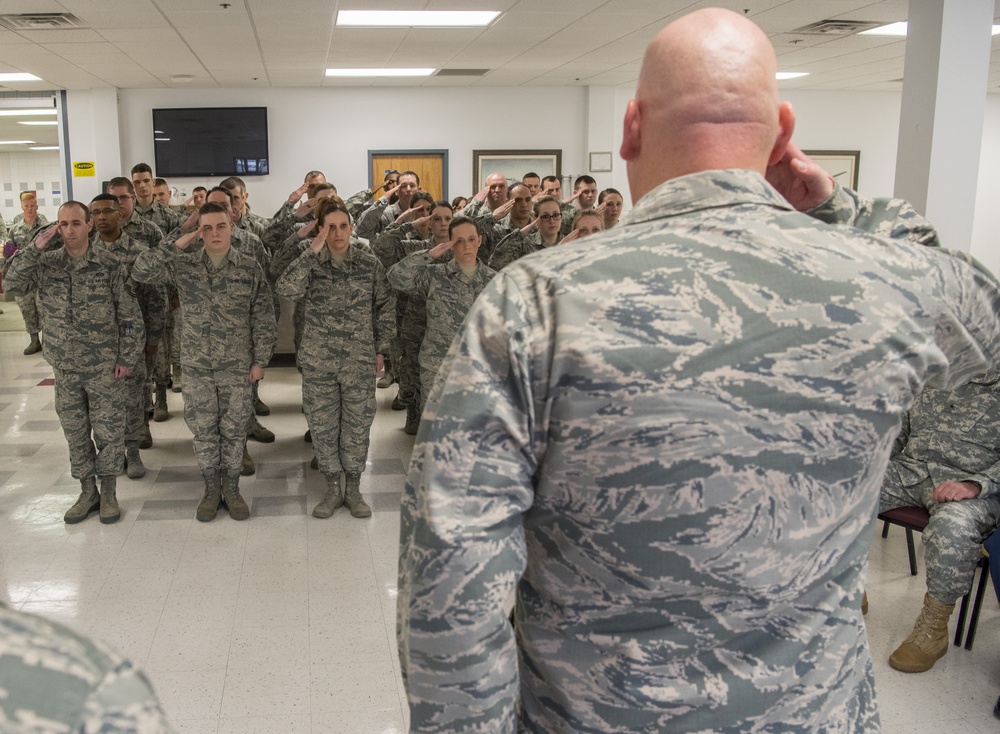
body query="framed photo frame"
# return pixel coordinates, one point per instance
(843, 165)
(600, 162)
(514, 164)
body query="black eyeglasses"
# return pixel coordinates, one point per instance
(550, 217)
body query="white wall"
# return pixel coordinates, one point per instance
(33, 170)
(93, 137)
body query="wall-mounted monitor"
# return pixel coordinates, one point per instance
(210, 141)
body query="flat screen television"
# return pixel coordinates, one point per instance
(210, 141)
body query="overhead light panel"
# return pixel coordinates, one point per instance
(25, 112)
(37, 122)
(44, 147)
(18, 77)
(379, 72)
(416, 18)
(899, 29)
(17, 142)
(782, 75)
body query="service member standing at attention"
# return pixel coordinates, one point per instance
(349, 324)
(227, 338)
(670, 438)
(21, 234)
(94, 337)
(146, 205)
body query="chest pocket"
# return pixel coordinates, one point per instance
(240, 289)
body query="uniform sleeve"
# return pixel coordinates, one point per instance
(386, 245)
(462, 546)
(508, 250)
(294, 281)
(410, 275)
(123, 702)
(131, 330)
(155, 266)
(385, 311)
(357, 203)
(153, 304)
(22, 271)
(369, 223)
(263, 328)
(890, 218)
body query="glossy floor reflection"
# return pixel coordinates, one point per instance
(285, 623)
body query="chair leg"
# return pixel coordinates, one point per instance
(885, 529)
(912, 553)
(963, 611)
(977, 605)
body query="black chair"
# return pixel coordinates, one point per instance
(911, 518)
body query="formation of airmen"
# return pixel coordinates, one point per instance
(138, 296)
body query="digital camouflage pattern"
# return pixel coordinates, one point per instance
(348, 311)
(218, 409)
(255, 224)
(515, 246)
(144, 231)
(950, 436)
(93, 324)
(167, 220)
(670, 440)
(376, 218)
(22, 234)
(448, 294)
(53, 680)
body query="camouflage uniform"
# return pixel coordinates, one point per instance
(283, 223)
(448, 293)
(93, 324)
(950, 437)
(22, 235)
(153, 308)
(670, 438)
(357, 204)
(166, 219)
(253, 223)
(54, 680)
(376, 218)
(348, 320)
(228, 327)
(516, 246)
(493, 231)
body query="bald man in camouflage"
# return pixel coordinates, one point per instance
(670, 437)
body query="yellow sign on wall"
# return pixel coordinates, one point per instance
(83, 169)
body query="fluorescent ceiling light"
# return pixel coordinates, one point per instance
(899, 29)
(45, 147)
(162, 140)
(19, 77)
(37, 122)
(379, 72)
(17, 142)
(416, 18)
(781, 75)
(25, 112)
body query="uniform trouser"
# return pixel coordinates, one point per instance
(408, 372)
(298, 323)
(161, 367)
(340, 409)
(29, 312)
(90, 403)
(428, 373)
(953, 535)
(217, 409)
(137, 395)
(175, 343)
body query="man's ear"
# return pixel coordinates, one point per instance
(786, 126)
(631, 139)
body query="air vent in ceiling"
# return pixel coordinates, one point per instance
(836, 27)
(41, 22)
(461, 72)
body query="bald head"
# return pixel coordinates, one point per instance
(707, 99)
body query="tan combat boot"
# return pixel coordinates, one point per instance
(88, 501)
(353, 498)
(208, 508)
(332, 500)
(134, 467)
(35, 346)
(231, 498)
(929, 640)
(109, 502)
(249, 468)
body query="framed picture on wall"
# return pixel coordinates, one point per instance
(843, 165)
(514, 164)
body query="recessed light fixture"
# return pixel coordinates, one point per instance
(26, 112)
(18, 77)
(17, 142)
(162, 140)
(782, 75)
(182, 78)
(899, 29)
(416, 18)
(37, 122)
(44, 147)
(379, 72)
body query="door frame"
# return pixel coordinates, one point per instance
(443, 152)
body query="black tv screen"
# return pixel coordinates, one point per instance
(210, 141)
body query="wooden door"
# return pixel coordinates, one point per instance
(429, 166)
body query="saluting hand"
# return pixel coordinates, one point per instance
(503, 210)
(439, 250)
(530, 226)
(575, 234)
(306, 230)
(305, 208)
(45, 237)
(574, 197)
(184, 241)
(298, 193)
(320, 241)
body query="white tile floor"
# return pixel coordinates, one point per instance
(284, 623)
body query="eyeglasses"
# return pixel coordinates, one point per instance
(550, 217)
(124, 197)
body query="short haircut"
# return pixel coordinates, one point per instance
(83, 207)
(422, 196)
(214, 207)
(584, 179)
(141, 168)
(529, 174)
(27, 195)
(121, 181)
(411, 173)
(514, 184)
(312, 174)
(325, 186)
(160, 182)
(199, 188)
(608, 192)
(232, 182)
(227, 192)
(333, 204)
(550, 178)
(545, 200)
(459, 221)
(105, 197)
(587, 213)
